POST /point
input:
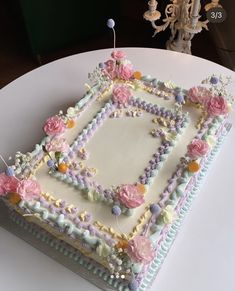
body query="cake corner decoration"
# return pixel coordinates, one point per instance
(121, 174)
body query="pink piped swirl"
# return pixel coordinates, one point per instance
(125, 71)
(198, 148)
(118, 55)
(110, 68)
(216, 106)
(199, 94)
(8, 184)
(130, 196)
(140, 250)
(121, 94)
(57, 144)
(28, 189)
(54, 125)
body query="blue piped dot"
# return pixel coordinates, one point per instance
(50, 163)
(133, 285)
(214, 80)
(9, 171)
(110, 23)
(101, 65)
(116, 210)
(179, 98)
(154, 208)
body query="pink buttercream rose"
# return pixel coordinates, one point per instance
(125, 71)
(140, 250)
(57, 144)
(198, 148)
(121, 94)
(199, 94)
(54, 125)
(110, 68)
(28, 189)
(3, 179)
(118, 55)
(8, 184)
(217, 105)
(130, 196)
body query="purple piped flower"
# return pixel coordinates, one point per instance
(52, 209)
(88, 217)
(153, 166)
(63, 203)
(165, 193)
(71, 154)
(170, 187)
(63, 211)
(148, 175)
(147, 169)
(74, 210)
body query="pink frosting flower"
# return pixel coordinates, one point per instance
(8, 184)
(121, 94)
(28, 189)
(125, 71)
(130, 196)
(3, 179)
(140, 250)
(57, 144)
(54, 125)
(217, 105)
(110, 68)
(198, 148)
(118, 55)
(199, 94)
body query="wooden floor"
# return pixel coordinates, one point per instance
(16, 58)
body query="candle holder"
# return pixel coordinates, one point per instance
(182, 17)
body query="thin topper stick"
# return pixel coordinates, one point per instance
(118, 225)
(116, 211)
(1, 157)
(111, 24)
(10, 172)
(114, 38)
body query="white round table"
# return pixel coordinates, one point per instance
(202, 257)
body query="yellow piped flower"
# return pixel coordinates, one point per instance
(168, 214)
(211, 140)
(230, 108)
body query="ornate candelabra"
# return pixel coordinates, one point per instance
(182, 17)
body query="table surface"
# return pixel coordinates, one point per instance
(202, 257)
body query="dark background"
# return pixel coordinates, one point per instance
(35, 32)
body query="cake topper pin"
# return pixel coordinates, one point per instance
(111, 24)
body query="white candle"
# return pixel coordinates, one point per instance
(152, 5)
(195, 8)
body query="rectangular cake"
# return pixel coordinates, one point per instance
(111, 181)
